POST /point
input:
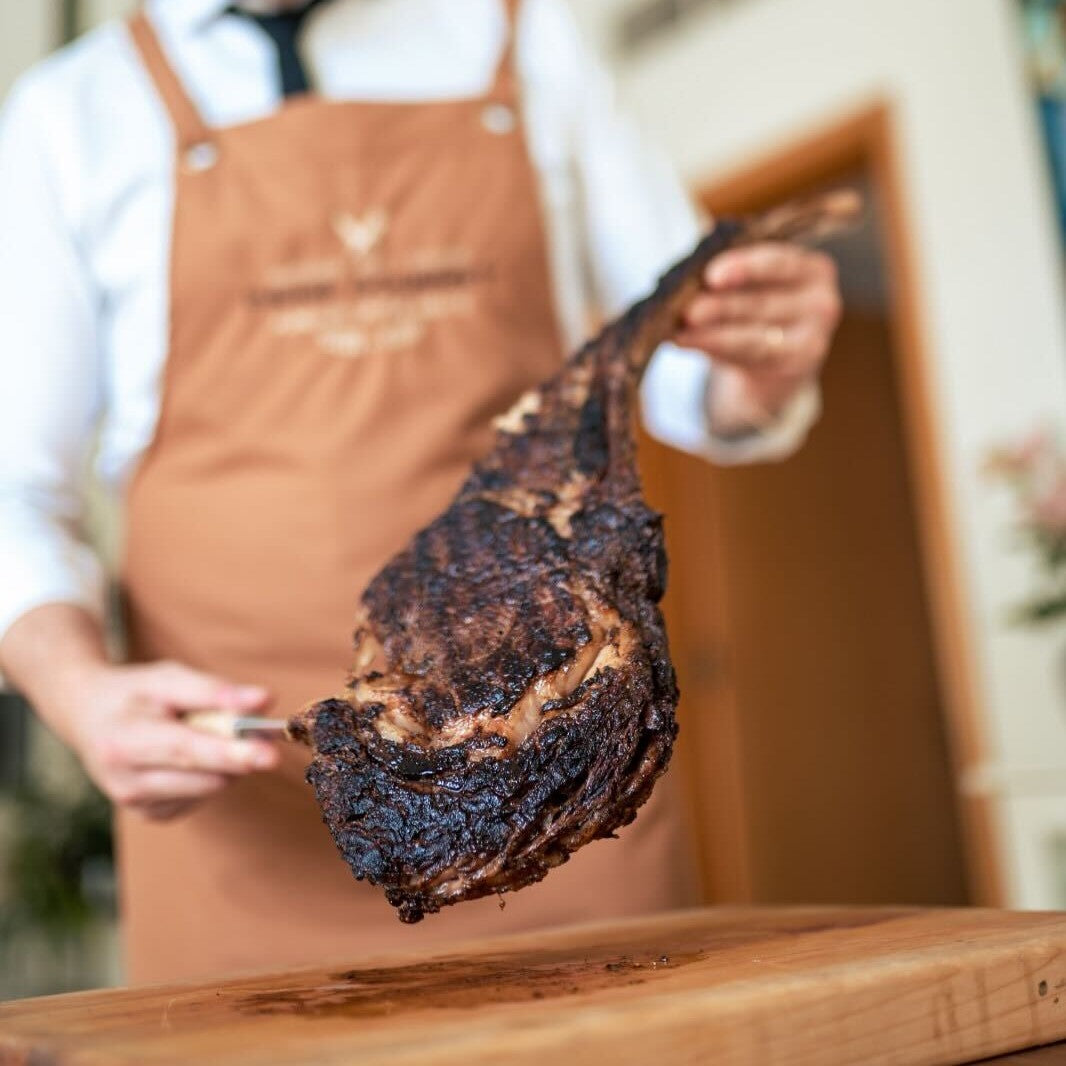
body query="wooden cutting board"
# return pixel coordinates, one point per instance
(773, 987)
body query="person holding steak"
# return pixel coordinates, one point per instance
(273, 267)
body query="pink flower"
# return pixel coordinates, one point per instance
(1023, 458)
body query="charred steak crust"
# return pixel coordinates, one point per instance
(512, 697)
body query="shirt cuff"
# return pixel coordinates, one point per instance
(673, 396)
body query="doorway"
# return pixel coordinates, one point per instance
(815, 647)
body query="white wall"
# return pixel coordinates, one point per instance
(731, 85)
(28, 30)
(94, 12)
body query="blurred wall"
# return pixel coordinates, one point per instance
(93, 12)
(30, 29)
(27, 31)
(732, 83)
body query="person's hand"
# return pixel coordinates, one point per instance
(766, 315)
(128, 732)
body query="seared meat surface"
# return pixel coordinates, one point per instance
(512, 697)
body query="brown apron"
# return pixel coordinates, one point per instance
(356, 288)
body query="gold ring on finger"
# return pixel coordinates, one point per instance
(773, 341)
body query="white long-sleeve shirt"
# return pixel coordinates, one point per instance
(86, 195)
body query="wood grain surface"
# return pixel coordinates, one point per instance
(795, 986)
(1052, 1055)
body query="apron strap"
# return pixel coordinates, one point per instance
(190, 128)
(505, 85)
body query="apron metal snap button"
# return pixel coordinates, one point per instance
(201, 156)
(498, 118)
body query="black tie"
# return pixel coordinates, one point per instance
(284, 30)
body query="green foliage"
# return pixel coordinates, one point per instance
(1040, 609)
(55, 842)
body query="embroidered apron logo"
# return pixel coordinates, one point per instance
(364, 300)
(361, 235)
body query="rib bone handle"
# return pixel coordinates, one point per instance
(656, 319)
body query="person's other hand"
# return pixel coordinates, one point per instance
(766, 315)
(129, 735)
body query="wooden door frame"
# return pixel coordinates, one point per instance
(867, 140)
